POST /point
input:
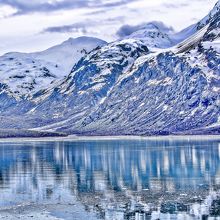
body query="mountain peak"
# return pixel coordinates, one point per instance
(154, 34)
(83, 39)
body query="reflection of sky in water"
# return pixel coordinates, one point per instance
(119, 179)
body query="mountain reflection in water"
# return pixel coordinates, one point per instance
(117, 179)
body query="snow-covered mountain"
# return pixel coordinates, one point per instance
(134, 86)
(154, 35)
(191, 30)
(91, 79)
(157, 35)
(26, 73)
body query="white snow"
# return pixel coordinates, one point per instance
(214, 44)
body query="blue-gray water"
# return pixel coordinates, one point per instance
(116, 179)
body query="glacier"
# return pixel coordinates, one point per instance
(149, 83)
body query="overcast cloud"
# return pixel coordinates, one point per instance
(31, 25)
(28, 6)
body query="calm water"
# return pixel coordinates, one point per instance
(116, 179)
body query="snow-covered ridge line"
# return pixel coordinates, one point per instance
(190, 42)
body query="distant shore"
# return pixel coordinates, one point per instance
(103, 138)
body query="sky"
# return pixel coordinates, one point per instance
(34, 25)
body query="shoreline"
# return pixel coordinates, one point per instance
(71, 138)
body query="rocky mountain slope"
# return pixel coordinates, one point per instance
(134, 86)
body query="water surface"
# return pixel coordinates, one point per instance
(115, 179)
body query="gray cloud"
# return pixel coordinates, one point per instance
(81, 26)
(127, 30)
(27, 6)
